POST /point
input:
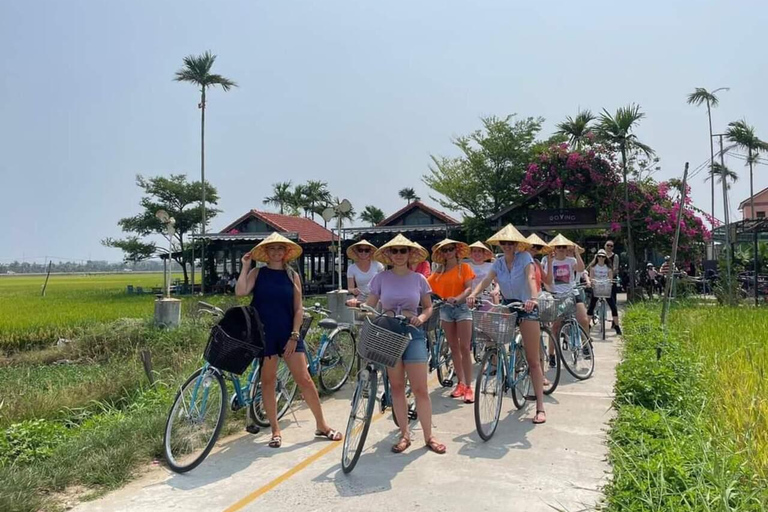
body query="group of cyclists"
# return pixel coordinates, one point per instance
(397, 279)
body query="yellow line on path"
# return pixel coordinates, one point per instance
(295, 469)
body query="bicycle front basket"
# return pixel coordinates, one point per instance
(229, 354)
(601, 288)
(566, 306)
(380, 345)
(499, 327)
(547, 308)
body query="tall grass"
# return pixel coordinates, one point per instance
(672, 445)
(733, 347)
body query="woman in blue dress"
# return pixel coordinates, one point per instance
(277, 297)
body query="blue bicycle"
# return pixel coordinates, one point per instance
(199, 409)
(502, 369)
(439, 352)
(336, 352)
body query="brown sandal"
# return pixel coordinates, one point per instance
(436, 446)
(275, 442)
(401, 445)
(537, 415)
(331, 435)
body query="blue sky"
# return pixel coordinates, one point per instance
(355, 93)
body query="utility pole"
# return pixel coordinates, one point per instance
(726, 215)
(673, 261)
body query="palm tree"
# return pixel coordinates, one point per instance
(408, 194)
(617, 130)
(721, 171)
(197, 71)
(372, 214)
(577, 129)
(699, 97)
(743, 135)
(317, 196)
(282, 196)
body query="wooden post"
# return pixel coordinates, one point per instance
(673, 260)
(146, 361)
(45, 285)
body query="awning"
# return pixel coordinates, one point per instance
(742, 231)
(403, 228)
(241, 237)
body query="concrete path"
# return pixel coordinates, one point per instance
(560, 465)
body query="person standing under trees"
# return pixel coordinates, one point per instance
(276, 290)
(453, 283)
(481, 263)
(517, 281)
(401, 291)
(361, 272)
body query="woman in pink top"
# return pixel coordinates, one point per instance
(401, 291)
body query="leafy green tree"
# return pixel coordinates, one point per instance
(317, 196)
(616, 130)
(577, 129)
(281, 197)
(486, 177)
(372, 215)
(134, 248)
(409, 194)
(178, 197)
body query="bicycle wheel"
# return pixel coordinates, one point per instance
(577, 354)
(195, 420)
(522, 385)
(285, 390)
(551, 373)
(360, 415)
(489, 393)
(336, 358)
(445, 369)
(479, 341)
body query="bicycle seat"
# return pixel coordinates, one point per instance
(328, 323)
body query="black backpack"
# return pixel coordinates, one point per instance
(236, 340)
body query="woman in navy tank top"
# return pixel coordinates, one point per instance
(276, 290)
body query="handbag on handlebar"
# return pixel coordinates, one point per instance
(235, 340)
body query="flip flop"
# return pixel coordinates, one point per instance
(331, 435)
(275, 442)
(537, 415)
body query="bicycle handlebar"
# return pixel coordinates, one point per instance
(210, 308)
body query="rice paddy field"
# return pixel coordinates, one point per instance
(71, 301)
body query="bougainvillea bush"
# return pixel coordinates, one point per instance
(563, 177)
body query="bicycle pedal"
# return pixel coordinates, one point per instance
(447, 383)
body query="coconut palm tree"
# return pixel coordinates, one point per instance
(723, 172)
(740, 133)
(372, 214)
(282, 196)
(577, 129)
(317, 196)
(617, 130)
(197, 71)
(699, 97)
(408, 194)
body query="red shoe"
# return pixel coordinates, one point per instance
(469, 395)
(458, 391)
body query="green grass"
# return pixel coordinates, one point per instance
(672, 444)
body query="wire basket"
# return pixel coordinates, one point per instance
(498, 327)
(229, 354)
(380, 345)
(547, 308)
(601, 288)
(566, 306)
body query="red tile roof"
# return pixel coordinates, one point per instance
(309, 231)
(418, 204)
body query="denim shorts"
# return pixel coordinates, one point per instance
(416, 351)
(458, 313)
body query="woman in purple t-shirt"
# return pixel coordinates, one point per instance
(401, 291)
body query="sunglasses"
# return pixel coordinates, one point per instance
(363, 250)
(506, 243)
(600, 256)
(561, 247)
(401, 250)
(609, 245)
(447, 249)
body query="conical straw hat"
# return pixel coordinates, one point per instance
(560, 240)
(351, 254)
(292, 249)
(481, 245)
(539, 244)
(462, 250)
(509, 234)
(418, 253)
